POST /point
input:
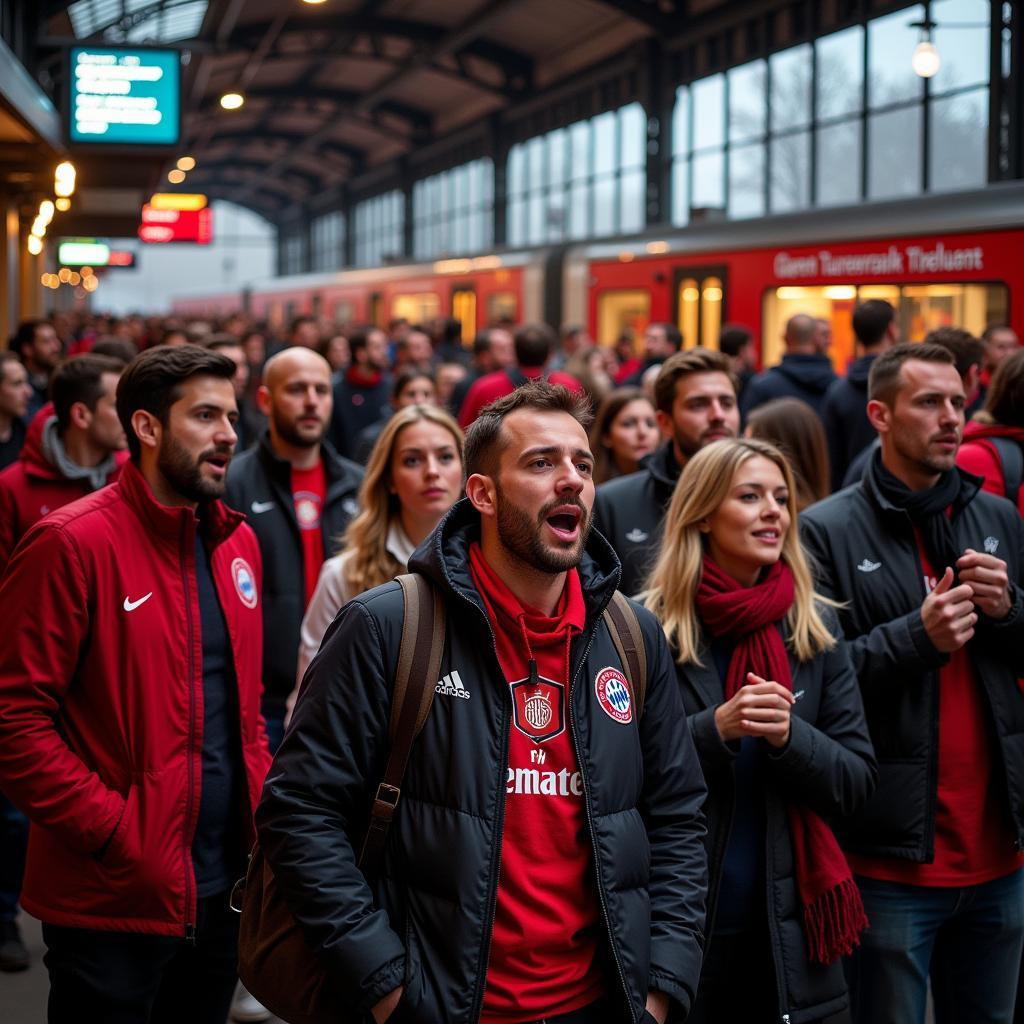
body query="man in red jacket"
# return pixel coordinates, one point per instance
(130, 732)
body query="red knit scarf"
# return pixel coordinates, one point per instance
(832, 909)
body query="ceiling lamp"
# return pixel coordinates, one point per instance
(232, 100)
(175, 177)
(63, 204)
(35, 245)
(926, 60)
(186, 163)
(64, 179)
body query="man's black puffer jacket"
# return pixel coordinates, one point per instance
(629, 511)
(260, 486)
(866, 555)
(828, 766)
(426, 923)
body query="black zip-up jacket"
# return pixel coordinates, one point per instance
(799, 375)
(426, 921)
(260, 486)
(844, 416)
(828, 765)
(867, 557)
(629, 511)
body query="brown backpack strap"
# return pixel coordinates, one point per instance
(624, 627)
(419, 666)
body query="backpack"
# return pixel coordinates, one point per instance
(275, 962)
(1012, 460)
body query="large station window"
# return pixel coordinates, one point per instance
(453, 211)
(417, 307)
(700, 298)
(622, 311)
(920, 309)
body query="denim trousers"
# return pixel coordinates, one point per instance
(968, 939)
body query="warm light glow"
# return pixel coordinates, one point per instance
(626, 257)
(86, 271)
(789, 292)
(175, 177)
(232, 100)
(64, 179)
(690, 294)
(656, 248)
(186, 163)
(313, 3)
(178, 201)
(46, 211)
(840, 292)
(75, 279)
(38, 227)
(487, 263)
(712, 294)
(926, 60)
(64, 275)
(63, 204)
(453, 266)
(90, 284)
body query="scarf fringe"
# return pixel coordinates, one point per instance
(834, 921)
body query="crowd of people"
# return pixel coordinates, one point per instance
(784, 781)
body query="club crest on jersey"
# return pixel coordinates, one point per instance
(613, 695)
(245, 582)
(538, 711)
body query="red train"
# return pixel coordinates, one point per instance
(951, 259)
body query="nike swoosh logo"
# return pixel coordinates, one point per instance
(261, 506)
(130, 606)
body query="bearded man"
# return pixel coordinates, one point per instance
(130, 732)
(546, 859)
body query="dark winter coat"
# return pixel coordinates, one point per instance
(867, 556)
(806, 377)
(828, 765)
(844, 416)
(260, 486)
(426, 922)
(629, 512)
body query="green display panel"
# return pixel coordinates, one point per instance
(123, 96)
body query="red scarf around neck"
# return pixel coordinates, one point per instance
(833, 913)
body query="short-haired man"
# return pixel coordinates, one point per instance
(304, 333)
(414, 351)
(15, 394)
(844, 416)
(968, 357)
(251, 422)
(40, 349)
(928, 569)
(533, 344)
(544, 864)
(493, 349)
(130, 731)
(661, 342)
(737, 342)
(1000, 340)
(572, 339)
(75, 450)
(805, 371)
(695, 402)
(362, 393)
(298, 495)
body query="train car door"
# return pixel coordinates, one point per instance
(376, 317)
(700, 303)
(464, 310)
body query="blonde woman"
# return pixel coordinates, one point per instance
(413, 476)
(775, 712)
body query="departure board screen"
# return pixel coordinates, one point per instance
(122, 96)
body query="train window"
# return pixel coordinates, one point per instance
(502, 306)
(622, 311)
(317, 304)
(464, 310)
(416, 308)
(700, 299)
(920, 308)
(343, 313)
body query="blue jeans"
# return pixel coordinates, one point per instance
(13, 845)
(273, 715)
(969, 939)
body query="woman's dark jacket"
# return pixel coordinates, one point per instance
(866, 555)
(426, 922)
(828, 765)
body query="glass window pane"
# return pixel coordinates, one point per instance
(891, 43)
(840, 72)
(746, 181)
(579, 135)
(708, 112)
(579, 210)
(964, 51)
(791, 172)
(839, 163)
(958, 141)
(604, 142)
(894, 153)
(632, 136)
(747, 102)
(535, 228)
(556, 142)
(535, 159)
(791, 88)
(516, 171)
(680, 195)
(681, 122)
(514, 227)
(632, 187)
(709, 180)
(604, 206)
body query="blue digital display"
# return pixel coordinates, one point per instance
(128, 97)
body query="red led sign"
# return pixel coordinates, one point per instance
(121, 258)
(161, 226)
